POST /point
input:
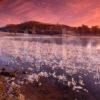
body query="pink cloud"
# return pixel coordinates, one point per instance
(69, 12)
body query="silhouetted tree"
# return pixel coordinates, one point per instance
(83, 30)
(95, 30)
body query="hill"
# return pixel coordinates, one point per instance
(34, 27)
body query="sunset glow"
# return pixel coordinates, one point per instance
(69, 12)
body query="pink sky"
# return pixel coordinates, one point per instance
(69, 12)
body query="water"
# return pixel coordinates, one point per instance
(70, 52)
(78, 57)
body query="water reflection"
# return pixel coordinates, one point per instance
(73, 56)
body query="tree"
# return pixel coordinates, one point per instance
(83, 30)
(95, 30)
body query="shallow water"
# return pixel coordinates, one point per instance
(72, 52)
(75, 56)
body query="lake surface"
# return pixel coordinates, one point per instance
(78, 57)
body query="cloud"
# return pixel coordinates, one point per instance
(70, 12)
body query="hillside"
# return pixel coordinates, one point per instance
(34, 27)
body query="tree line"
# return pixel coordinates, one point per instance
(85, 30)
(42, 28)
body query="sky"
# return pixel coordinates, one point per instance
(68, 12)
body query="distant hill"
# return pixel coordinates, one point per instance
(34, 27)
